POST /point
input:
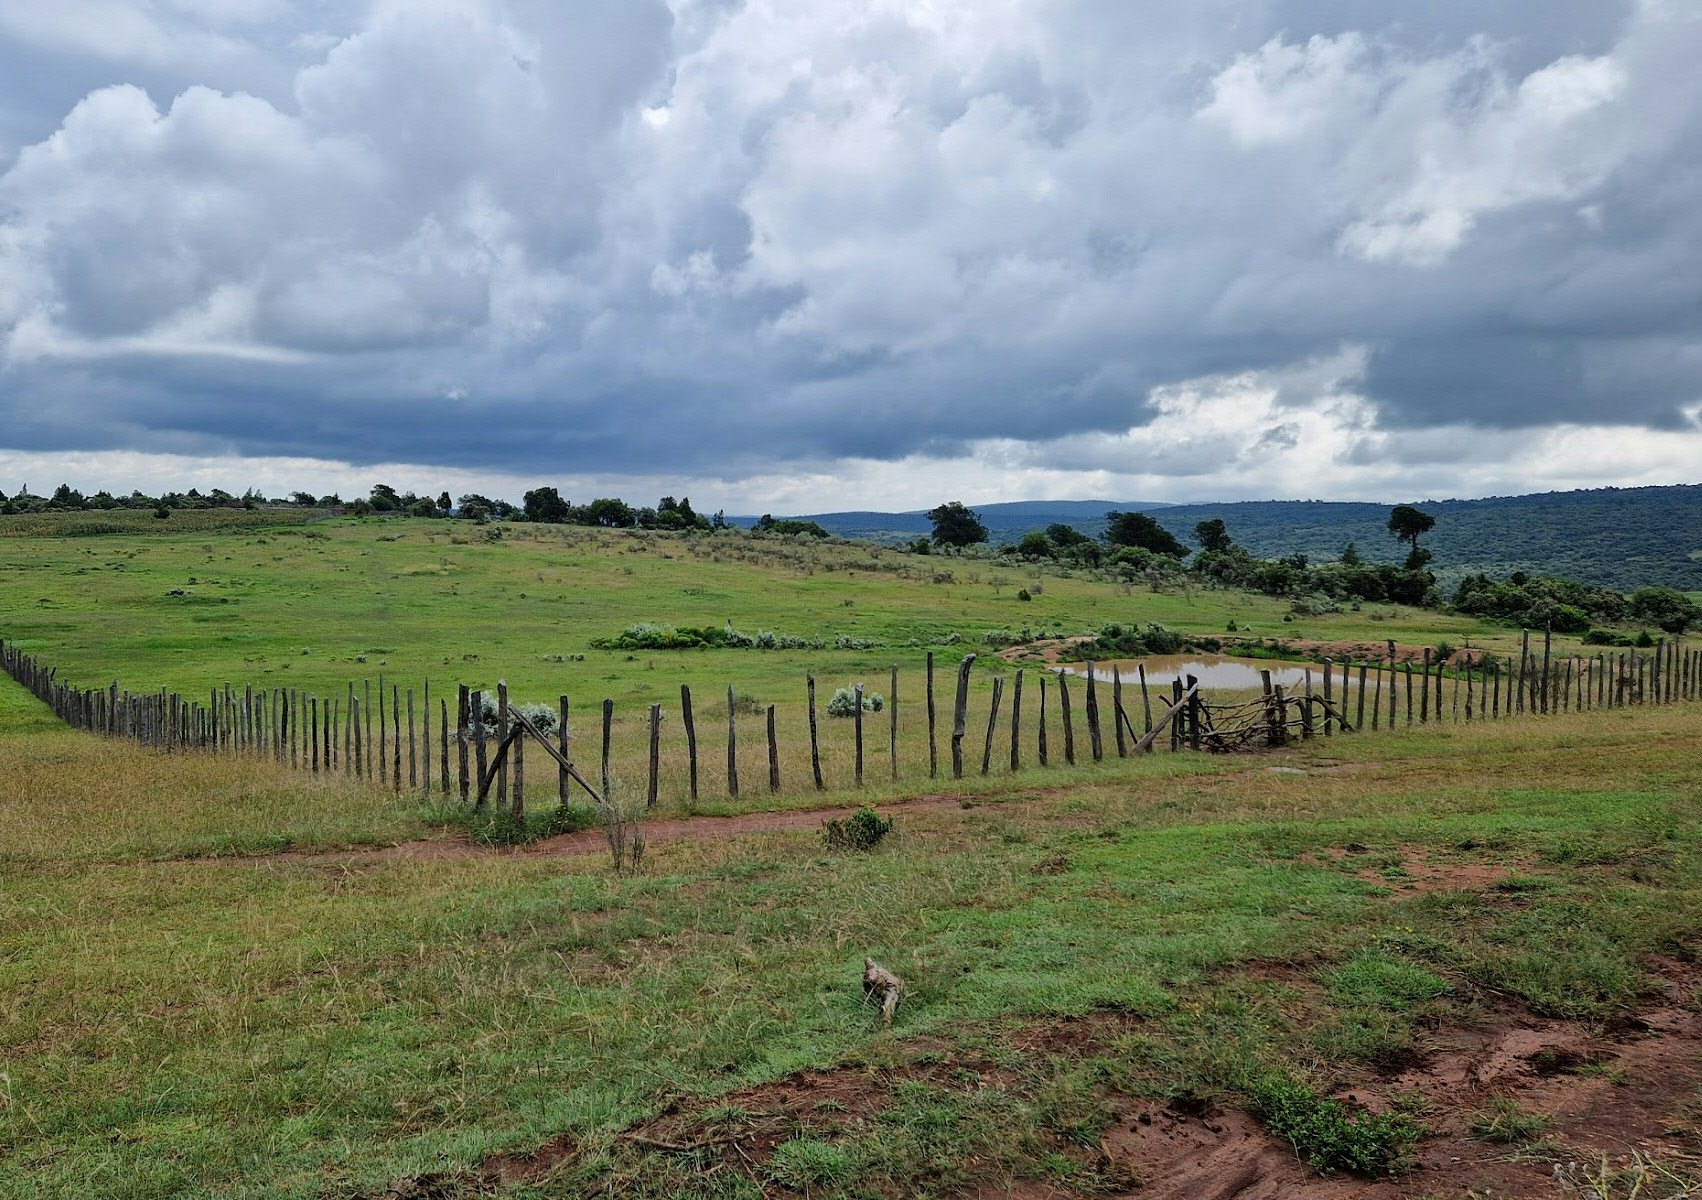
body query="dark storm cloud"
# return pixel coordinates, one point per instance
(697, 237)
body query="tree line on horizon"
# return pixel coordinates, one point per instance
(1135, 545)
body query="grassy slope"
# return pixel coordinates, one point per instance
(314, 608)
(320, 606)
(300, 1027)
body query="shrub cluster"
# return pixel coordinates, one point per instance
(1328, 1135)
(844, 702)
(863, 830)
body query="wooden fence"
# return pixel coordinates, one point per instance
(439, 742)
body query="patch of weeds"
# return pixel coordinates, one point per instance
(863, 830)
(805, 1163)
(1505, 1122)
(1383, 980)
(1329, 1136)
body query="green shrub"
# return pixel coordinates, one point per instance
(844, 702)
(863, 830)
(1329, 1136)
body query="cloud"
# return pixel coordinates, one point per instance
(747, 240)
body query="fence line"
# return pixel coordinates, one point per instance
(333, 734)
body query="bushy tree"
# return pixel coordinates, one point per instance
(1673, 611)
(955, 525)
(1213, 536)
(544, 504)
(1138, 529)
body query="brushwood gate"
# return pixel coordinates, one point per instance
(402, 740)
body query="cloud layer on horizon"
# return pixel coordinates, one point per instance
(1073, 243)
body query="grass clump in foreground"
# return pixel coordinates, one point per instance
(1328, 1135)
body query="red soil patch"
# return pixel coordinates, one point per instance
(1420, 875)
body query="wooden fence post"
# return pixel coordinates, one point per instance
(502, 724)
(655, 756)
(960, 714)
(1095, 744)
(933, 744)
(773, 754)
(463, 715)
(815, 739)
(1329, 670)
(413, 748)
(732, 746)
(1069, 719)
(857, 722)
(1146, 702)
(1016, 722)
(892, 720)
(481, 755)
(1118, 718)
(608, 737)
(564, 739)
(992, 723)
(691, 737)
(1194, 721)
(443, 741)
(1041, 747)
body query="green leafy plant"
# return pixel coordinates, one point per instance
(863, 830)
(1328, 1135)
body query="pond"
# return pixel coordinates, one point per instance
(1214, 671)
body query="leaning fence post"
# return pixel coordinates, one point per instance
(992, 723)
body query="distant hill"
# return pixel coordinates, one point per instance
(1005, 522)
(1612, 537)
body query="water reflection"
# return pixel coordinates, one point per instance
(1214, 671)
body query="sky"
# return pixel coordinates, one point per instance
(811, 255)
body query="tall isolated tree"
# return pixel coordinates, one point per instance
(955, 525)
(1138, 529)
(1408, 524)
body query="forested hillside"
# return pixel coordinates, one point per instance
(1610, 537)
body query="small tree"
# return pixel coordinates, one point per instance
(955, 525)
(1350, 556)
(1408, 524)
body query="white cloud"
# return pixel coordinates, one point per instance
(1064, 241)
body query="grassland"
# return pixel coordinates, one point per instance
(221, 979)
(347, 1023)
(316, 606)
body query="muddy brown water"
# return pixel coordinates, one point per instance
(1216, 672)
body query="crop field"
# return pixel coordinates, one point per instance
(1450, 960)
